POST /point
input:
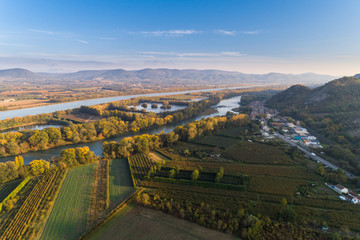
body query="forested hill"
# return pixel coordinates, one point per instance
(333, 111)
(340, 95)
(163, 76)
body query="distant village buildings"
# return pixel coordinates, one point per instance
(345, 194)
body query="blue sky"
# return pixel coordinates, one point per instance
(255, 36)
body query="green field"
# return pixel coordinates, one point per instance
(68, 217)
(7, 188)
(120, 182)
(147, 224)
(217, 141)
(233, 132)
(257, 153)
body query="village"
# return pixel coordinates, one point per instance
(290, 130)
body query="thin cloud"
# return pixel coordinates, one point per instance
(225, 32)
(171, 33)
(82, 41)
(251, 32)
(233, 32)
(64, 34)
(232, 54)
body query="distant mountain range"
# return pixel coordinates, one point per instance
(340, 95)
(164, 76)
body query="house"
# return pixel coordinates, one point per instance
(300, 130)
(340, 189)
(355, 200)
(355, 196)
(277, 124)
(290, 125)
(314, 142)
(312, 137)
(285, 130)
(297, 137)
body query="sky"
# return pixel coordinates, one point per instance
(254, 36)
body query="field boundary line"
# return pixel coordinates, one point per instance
(111, 214)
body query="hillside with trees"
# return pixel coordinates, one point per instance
(333, 111)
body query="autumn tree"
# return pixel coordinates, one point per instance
(39, 166)
(195, 174)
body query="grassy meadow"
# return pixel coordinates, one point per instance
(68, 217)
(120, 182)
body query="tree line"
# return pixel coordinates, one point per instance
(113, 124)
(142, 144)
(68, 158)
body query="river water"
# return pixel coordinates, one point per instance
(222, 108)
(31, 127)
(77, 104)
(159, 109)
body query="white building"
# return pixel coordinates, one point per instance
(341, 189)
(291, 125)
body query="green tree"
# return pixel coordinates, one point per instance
(320, 169)
(288, 214)
(219, 175)
(172, 173)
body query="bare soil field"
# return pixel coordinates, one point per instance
(81, 117)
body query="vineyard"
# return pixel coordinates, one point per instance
(275, 185)
(9, 214)
(7, 188)
(168, 155)
(256, 153)
(140, 165)
(46, 203)
(236, 169)
(20, 222)
(234, 132)
(217, 141)
(99, 194)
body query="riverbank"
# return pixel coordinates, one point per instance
(96, 146)
(77, 104)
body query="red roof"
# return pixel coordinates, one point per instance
(355, 195)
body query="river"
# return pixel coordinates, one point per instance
(77, 104)
(223, 107)
(31, 127)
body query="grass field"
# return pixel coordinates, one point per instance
(256, 153)
(7, 188)
(146, 224)
(218, 141)
(233, 132)
(120, 182)
(68, 217)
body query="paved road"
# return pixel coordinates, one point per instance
(316, 158)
